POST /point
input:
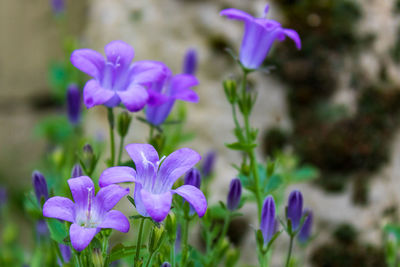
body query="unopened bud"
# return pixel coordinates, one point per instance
(76, 171)
(230, 88)
(123, 123)
(97, 258)
(40, 186)
(155, 238)
(234, 194)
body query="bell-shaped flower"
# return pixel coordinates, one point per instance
(189, 65)
(73, 104)
(164, 92)
(40, 186)
(90, 213)
(259, 35)
(154, 179)
(208, 163)
(294, 210)
(305, 230)
(234, 194)
(268, 224)
(115, 79)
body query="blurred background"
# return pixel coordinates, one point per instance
(334, 105)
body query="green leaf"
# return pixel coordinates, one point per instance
(392, 229)
(305, 174)
(274, 182)
(241, 146)
(120, 251)
(58, 231)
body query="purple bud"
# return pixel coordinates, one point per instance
(166, 264)
(88, 149)
(178, 238)
(268, 223)
(190, 62)
(73, 104)
(58, 6)
(305, 231)
(208, 163)
(65, 252)
(3, 196)
(42, 229)
(193, 177)
(295, 208)
(76, 171)
(234, 194)
(40, 186)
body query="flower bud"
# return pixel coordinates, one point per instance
(234, 194)
(76, 171)
(193, 177)
(295, 209)
(190, 62)
(65, 252)
(40, 186)
(73, 104)
(208, 163)
(3, 196)
(268, 223)
(166, 264)
(170, 226)
(305, 231)
(155, 238)
(230, 89)
(97, 258)
(123, 123)
(88, 153)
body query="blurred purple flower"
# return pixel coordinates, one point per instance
(40, 186)
(164, 92)
(116, 80)
(58, 6)
(3, 196)
(190, 62)
(73, 104)
(305, 230)
(295, 209)
(76, 171)
(208, 163)
(234, 194)
(166, 264)
(65, 252)
(90, 213)
(259, 35)
(193, 177)
(41, 229)
(268, 223)
(153, 183)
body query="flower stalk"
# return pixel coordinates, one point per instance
(139, 243)
(112, 138)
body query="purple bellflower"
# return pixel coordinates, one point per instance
(76, 171)
(295, 209)
(190, 62)
(40, 186)
(73, 104)
(58, 6)
(268, 223)
(90, 213)
(234, 194)
(115, 79)
(259, 35)
(65, 252)
(193, 177)
(208, 163)
(305, 230)
(164, 92)
(153, 183)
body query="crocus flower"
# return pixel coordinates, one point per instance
(268, 223)
(40, 186)
(153, 183)
(65, 252)
(90, 213)
(73, 104)
(58, 6)
(234, 194)
(190, 62)
(115, 80)
(208, 163)
(295, 208)
(76, 171)
(164, 92)
(305, 230)
(259, 35)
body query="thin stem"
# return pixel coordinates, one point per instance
(172, 254)
(290, 251)
(149, 259)
(112, 139)
(185, 234)
(139, 242)
(121, 147)
(151, 132)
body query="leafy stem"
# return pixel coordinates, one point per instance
(139, 242)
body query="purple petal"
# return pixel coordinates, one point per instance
(140, 208)
(141, 154)
(266, 9)
(156, 98)
(110, 195)
(292, 34)
(156, 115)
(89, 61)
(146, 72)
(157, 205)
(194, 196)
(180, 85)
(134, 98)
(94, 94)
(81, 236)
(116, 220)
(80, 189)
(267, 224)
(119, 53)
(175, 165)
(190, 62)
(60, 208)
(232, 13)
(116, 175)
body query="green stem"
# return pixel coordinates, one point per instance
(151, 132)
(112, 139)
(185, 235)
(221, 239)
(172, 256)
(139, 242)
(121, 147)
(290, 251)
(149, 259)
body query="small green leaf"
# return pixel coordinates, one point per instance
(241, 146)
(58, 231)
(274, 182)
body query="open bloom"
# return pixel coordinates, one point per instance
(89, 213)
(164, 92)
(115, 80)
(154, 179)
(259, 35)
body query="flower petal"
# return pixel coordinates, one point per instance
(80, 188)
(89, 61)
(233, 13)
(146, 72)
(292, 34)
(142, 154)
(81, 236)
(180, 85)
(140, 208)
(110, 195)
(94, 94)
(134, 97)
(194, 196)
(60, 208)
(157, 205)
(116, 175)
(156, 115)
(116, 220)
(119, 53)
(175, 165)
(156, 98)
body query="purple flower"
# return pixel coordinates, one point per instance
(166, 264)
(153, 183)
(40, 186)
(41, 229)
(89, 213)
(193, 177)
(76, 171)
(3, 196)
(115, 80)
(234, 194)
(305, 230)
(65, 252)
(295, 208)
(190, 62)
(259, 35)
(73, 104)
(58, 6)
(268, 223)
(208, 163)
(164, 92)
